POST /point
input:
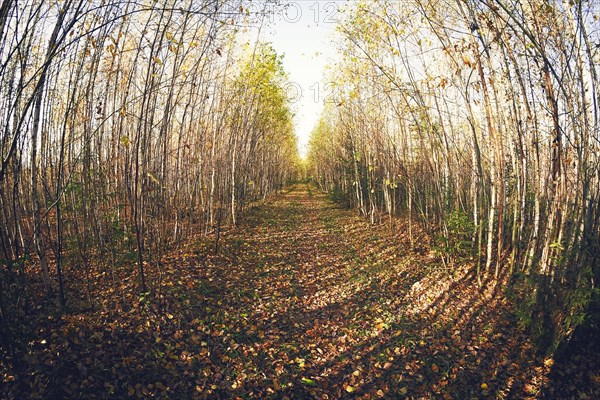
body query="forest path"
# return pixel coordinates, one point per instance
(317, 303)
(304, 300)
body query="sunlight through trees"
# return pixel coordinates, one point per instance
(483, 114)
(128, 126)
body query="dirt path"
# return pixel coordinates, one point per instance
(304, 300)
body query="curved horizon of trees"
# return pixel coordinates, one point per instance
(478, 120)
(126, 127)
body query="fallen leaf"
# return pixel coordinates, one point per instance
(308, 382)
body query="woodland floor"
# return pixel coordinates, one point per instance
(304, 301)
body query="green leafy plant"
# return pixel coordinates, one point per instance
(456, 244)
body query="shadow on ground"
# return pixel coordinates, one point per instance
(305, 300)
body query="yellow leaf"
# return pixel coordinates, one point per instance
(153, 179)
(157, 60)
(349, 389)
(484, 386)
(403, 391)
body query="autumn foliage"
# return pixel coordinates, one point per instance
(160, 236)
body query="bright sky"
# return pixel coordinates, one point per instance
(303, 33)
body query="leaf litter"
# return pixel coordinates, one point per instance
(304, 300)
